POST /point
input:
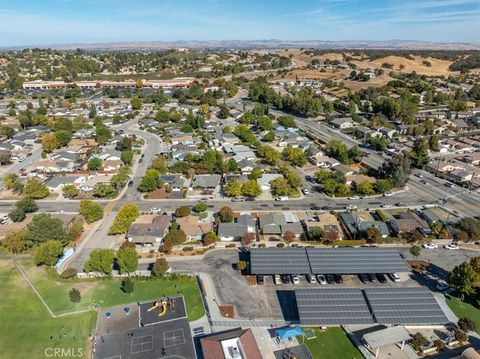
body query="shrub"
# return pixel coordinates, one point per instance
(460, 336)
(466, 324)
(280, 245)
(160, 267)
(242, 265)
(439, 344)
(68, 273)
(17, 215)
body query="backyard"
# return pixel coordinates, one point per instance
(332, 343)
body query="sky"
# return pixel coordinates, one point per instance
(49, 22)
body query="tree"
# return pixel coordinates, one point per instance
(127, 260)
(271, 156)
(433, 143)
(383, 185)
(160, 267)
(44, 227)
(264, 123)
(248, 238)
(365, 188)
(34, 189)
(136, 103)
(101, 260)
(94, 164)
(70, 191)
(330, 236)
(150, 181)
(463, 278)
(183, 211)
(419, 153)
(127, 157)
(16, 241)
(102, 133)
(223, 113)
(104, 190)
(373, 235)
(49, 142)
(160, 164)
(315, 234)
(251, 188)
(233, 188)
(466, 324)
(75, 230)
(63, 137)
(10, 179)
(48, 253)
(201, 207)
(225, 214)
(27, 205)
(289, 237)
(166, 248)
(17, 215)
(210, 238)
(241, 265)
(415, 251)
(471, 226)
(175, 237)
(287, 121)
(439, 344)
(128, 285)
(460, 336)
(396, 170)
(418, 341)
(296, 156)
(75, 296)
(124, 219)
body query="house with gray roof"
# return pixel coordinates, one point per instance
(231, 231)
(148, 236)
(206, 181)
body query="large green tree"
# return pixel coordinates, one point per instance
(90, 210)
(48, 253)
(124, 219)
(44, 227)
(463, 278)
(101, 260)
(127, 260)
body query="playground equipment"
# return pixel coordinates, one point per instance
(165, 304)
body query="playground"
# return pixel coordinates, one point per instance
(150, 330)
(162, 310)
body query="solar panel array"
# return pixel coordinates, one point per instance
(344, 306)
(355, 260)
(332, 306)
(410, 306)
(325, 261)
(279, 261)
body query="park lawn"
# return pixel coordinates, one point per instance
(465, 309)
(106, 292)
(26, 326)
(332, 343)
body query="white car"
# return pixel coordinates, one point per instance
(430, 245)
(451, 246)
(295, 279)
(305, 191)
(394, 276)
(442, 285)
(311, 279)
(386, 205)
(351, 207)
(321, 279)
(282, 198)
(388, 194)
(276, 279)
(354, 198)
(155, 209)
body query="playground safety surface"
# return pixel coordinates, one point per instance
(152, 317)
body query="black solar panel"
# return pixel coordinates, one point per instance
(332, 306)
(408, 306)
(355, 260)
(279, 261)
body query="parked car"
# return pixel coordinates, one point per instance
(442, 285)
(276, 279)
(326, 208)
(424, 182)
(295, 279)
(363, 278)
(450, 185)
(130, 183)
(452, 246)
(330, 279)
(400, 204)
(29, 154)
(286, 279)
(394, 277)
(311, 279)
(388, 194)
(155, 209)
(238, 199)
(140, 160)
(338, 278)
(430, 245)
(353, 197)
(351, 207)
(306, 191)
(250, 199)
(419, 175)
(386, 205)
(282, 198)
(321, 279)
(381, 278)
(260, 279)
(372, 278)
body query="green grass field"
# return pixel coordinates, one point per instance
(465, 309)
(26, 326)
(332, 343)
(107, 292)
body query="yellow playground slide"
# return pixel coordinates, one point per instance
(155, 305)
(164, 309)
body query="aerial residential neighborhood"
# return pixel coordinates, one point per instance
(240, 199)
